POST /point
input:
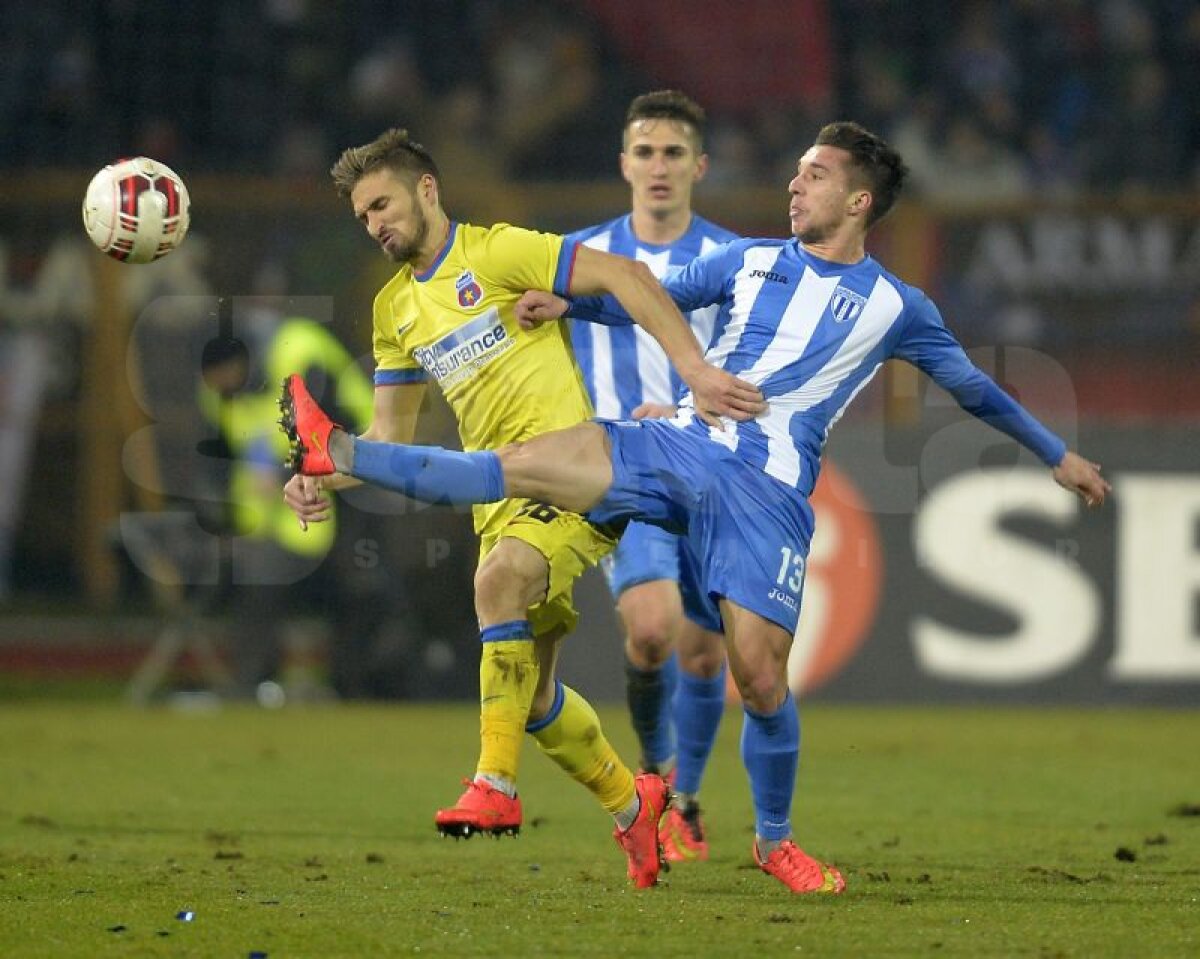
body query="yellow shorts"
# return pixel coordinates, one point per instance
(568, 541)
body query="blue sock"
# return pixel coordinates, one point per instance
(649, 693)
(429, 473)
(771, 753)
(556, 708)
(698, 707)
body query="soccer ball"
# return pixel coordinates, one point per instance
(136, 210)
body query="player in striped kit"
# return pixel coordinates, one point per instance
(674, 655)
(447, 316)
(811, 321)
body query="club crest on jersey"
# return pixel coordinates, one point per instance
(846, 305)
(469, 292)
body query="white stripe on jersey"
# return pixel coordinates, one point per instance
(607, 405)
(792, 336)
(746, 288)
(877, 317)
(783, 459)
(796, 326)
(628, 366)
(654, 369)
(704, 319)
(745, 291)
(850, 398)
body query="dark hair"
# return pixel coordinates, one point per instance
(879, 165)
(393, 149)
(668, 105)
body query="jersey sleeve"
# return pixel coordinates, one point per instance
(929, 345)
(394, 365)
(517, 259)
(703, 282)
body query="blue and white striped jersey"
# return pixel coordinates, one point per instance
(811, 334)
(623, 366)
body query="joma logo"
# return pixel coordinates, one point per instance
(769, 275)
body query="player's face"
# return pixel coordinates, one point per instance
(822, 194)
(660, 163)
(387, 206)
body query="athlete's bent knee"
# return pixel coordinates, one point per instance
(762, 691)
(506, 589)
(703, 664)
(649, 641)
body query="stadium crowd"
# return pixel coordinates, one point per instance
(1017, 98)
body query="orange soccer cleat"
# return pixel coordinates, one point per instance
(482, 808)
(797, 870)
(682, 835)
(307, 428)
(640, 840)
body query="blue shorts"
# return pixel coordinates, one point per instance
(749, 532)
(647, 553)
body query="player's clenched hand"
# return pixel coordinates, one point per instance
(536, 307)
(306, 498)
(1082, 477)
(717, 393)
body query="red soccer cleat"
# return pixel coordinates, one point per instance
(682, 835)
(640, 840)
(797, 870)
(482, 808)
(307, 428)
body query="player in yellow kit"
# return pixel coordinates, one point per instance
(447, 315)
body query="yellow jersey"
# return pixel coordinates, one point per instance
(455, 324)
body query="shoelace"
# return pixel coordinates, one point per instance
(797, 864)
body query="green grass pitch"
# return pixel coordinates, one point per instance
(308, 832)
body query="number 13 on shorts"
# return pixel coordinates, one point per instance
(791, 570)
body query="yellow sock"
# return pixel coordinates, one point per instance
(574, 740)
(508, 678)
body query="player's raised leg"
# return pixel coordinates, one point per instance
(570, 467)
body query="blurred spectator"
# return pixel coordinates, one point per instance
(303, 151)
(220, 80)
(914, 132)
(735, 58)
(386, 89)
(972, 167)
(733, 154)
(550, 104)
(979, 64)
(472, 164)
(274, 562)
(1054, 170)
(1138, 143)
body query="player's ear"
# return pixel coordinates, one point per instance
(427, 188)
(861, 202)
(701, 167)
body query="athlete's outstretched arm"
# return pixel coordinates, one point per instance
(930, 346)
(717, 393)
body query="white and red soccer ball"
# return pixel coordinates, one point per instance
(136, 210)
